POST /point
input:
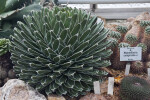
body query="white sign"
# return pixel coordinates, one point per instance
(127, 70)
(110, 85)
(130, 54)
(96, 87)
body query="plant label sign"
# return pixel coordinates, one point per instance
(131, 54)
(110, 85)
(96, 87)
(148, 70)
(127, 70)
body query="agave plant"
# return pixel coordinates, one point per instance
(60, 50)
(13, 10)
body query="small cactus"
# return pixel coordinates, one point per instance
(114, 34)
(144, 50)
(146, 38)
(147, 30)
(123, 45)
(144, 23)
(137, 67)
(122, 29)
(131, 38)
(134, 88)
(113, 42)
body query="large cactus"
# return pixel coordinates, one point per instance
(60, 51)
(13, 10)
(134, 88)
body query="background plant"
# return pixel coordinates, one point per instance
(13, 10)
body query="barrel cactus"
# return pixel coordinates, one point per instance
(137, 67)
(134, 88)
(60, 50)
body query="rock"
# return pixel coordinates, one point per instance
(54, 97)
(16, 89)
(93, 97)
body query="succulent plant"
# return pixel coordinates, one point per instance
(114, 34)
(123, 45)
(122, 29)
(4, 46)
(146, 38)
(113, 42)
(60, 50)
(144, 50)
(137, 67)
(143, 46)
(147, 30)
(131, 38)
(134, 88)
(13, 10)
(144, 23)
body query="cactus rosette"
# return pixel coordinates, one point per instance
(60, 51)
